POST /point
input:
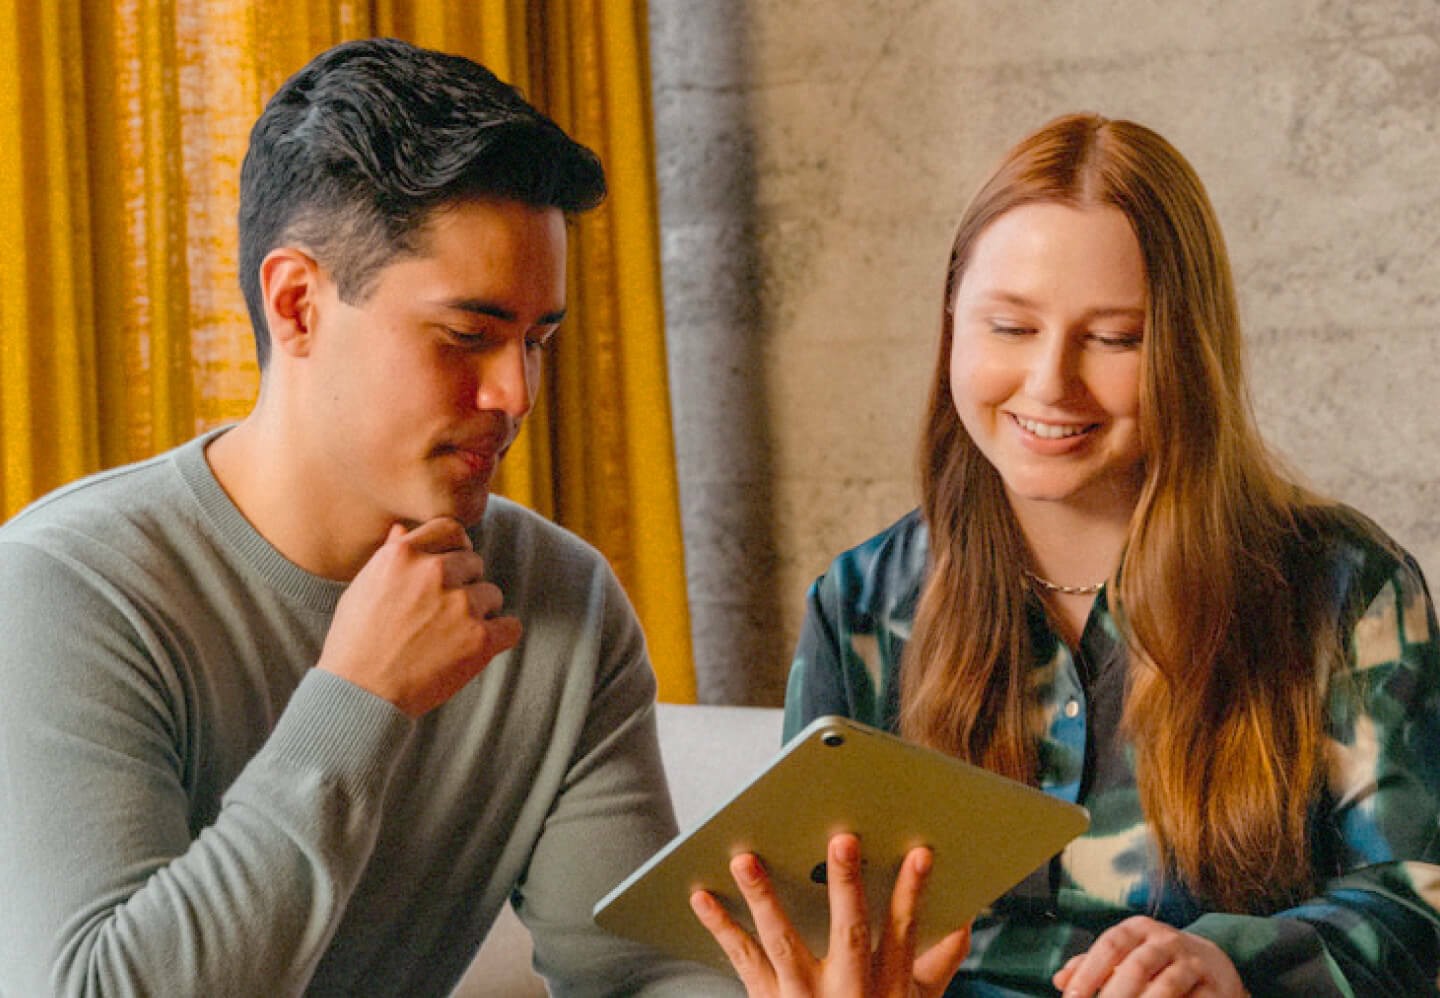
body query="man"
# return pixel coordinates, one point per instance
(297, 707)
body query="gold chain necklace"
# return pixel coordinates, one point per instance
(1055, 587)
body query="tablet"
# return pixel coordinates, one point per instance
(986, 832)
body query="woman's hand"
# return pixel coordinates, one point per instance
(1143, 958)
(776, 961)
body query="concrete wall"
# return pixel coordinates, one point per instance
(814, 156)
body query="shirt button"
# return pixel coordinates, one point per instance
(1072, 708)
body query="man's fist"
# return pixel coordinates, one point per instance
(419, 621)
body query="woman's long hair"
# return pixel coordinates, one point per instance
(1223, 701)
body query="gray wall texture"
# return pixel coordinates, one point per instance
(815, 155)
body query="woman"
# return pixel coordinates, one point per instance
(1111, 591)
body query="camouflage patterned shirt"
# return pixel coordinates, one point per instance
(1372, 928)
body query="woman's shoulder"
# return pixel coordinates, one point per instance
(1348, 553)
(904, 540)
(882, 571)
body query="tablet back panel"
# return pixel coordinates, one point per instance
(986, 832)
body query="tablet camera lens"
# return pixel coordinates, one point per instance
(834, 739)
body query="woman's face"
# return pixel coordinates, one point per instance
(1045, 360)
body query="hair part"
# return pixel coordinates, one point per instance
(1223, 701)
(357, 151)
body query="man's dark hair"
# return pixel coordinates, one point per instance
(357, 150)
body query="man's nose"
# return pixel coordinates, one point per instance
(506, 381)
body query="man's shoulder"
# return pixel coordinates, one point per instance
(106, 505)
(515, 540)
(104, 548)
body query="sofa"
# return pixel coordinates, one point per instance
(709, 753)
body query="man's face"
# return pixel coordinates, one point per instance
(417, 392)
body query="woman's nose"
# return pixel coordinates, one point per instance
(1050, 378)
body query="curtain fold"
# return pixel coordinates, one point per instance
(47, 350)
(122, 329)
(611, 381)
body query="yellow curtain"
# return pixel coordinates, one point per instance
(122, 330)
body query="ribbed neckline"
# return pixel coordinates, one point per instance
(310, 590)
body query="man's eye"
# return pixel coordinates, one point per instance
(468, 339)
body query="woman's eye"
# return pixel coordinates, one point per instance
(1006, 329)
(1117, 341)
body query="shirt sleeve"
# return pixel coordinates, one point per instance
(817, 686)
(107, 889)
(1373, 928)
(612, 814)
(857, 619)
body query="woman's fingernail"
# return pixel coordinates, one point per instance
(923, 859)
(749, 870)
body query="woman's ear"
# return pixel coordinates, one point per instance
(290, 289)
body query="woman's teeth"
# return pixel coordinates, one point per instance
(1052, 431)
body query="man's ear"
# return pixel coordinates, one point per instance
(290, 285)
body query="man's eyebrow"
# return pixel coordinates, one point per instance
(479, 306)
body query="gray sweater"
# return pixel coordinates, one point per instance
(188, 808)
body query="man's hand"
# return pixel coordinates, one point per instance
(419, 621)
(778, 963)
(1143, 958)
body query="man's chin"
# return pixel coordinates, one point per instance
(475, 512)
(468, 508)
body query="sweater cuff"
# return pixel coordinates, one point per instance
(350, 735)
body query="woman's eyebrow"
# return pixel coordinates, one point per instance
(1002, 297)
